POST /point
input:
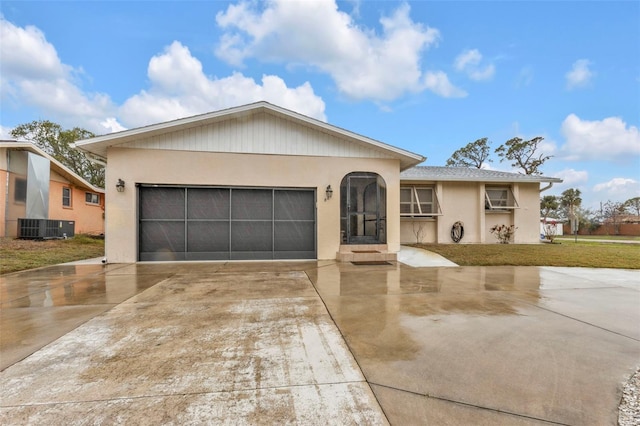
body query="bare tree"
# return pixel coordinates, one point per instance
(523, 154)
(612, 213)
(474, 154)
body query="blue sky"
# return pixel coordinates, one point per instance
(425, 76)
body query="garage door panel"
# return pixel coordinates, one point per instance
(208, 236)
(162, 203)
(251, 204)
(294, 236)
(162, 237)
(251, 236)
(208, 203)
(294, 205)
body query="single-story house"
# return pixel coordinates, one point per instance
(262, 182)
(39, 187)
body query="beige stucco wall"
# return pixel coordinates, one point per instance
(229, 169)
(464, 201)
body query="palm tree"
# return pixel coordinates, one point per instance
(570, 200)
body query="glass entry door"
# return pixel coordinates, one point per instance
(363, 202)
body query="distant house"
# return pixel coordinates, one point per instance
(262, 182)
(37, 186)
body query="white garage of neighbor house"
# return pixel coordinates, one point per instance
(262, 182)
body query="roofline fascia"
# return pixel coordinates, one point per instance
(28, 146)
(159, 127)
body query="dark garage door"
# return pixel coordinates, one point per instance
(205, 223)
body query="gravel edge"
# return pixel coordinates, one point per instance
(629, 409)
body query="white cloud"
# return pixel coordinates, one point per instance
(571, 177)
(34, 75)
(525, 77)
(26, 53)
(619, 189)
(4, 133)
(606, 139)
(363, 64)
(439, 83)
(469, 62)
(580, 74)
(179, 88)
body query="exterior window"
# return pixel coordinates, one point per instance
(499, 199)
(419, 201)
(20, 192)
(66, 197)
(92, 198)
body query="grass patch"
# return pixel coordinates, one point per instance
(583, 254)
(598, 237)
(18, 255)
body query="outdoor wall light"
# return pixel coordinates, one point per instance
(328, 193)
(120, 185)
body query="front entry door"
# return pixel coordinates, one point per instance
(363, 209)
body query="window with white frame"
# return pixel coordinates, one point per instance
(416, 201)
(92, 198)
(499, 198)
(66, 197)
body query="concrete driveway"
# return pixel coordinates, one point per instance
(316, 343)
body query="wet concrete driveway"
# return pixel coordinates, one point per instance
(316, 343)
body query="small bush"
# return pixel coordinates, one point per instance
(504, 233)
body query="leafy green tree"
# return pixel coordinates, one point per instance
(523, 154)
(56, 141)
(549, 205)
(570, 201)
(633, 205)
(474, 154)
(589, 219)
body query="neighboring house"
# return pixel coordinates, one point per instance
(262, 182)
(479, 199)
(37, 186)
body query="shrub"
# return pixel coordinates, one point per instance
(503, 232)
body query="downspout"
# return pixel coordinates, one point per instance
(6, 193)
(546, 187)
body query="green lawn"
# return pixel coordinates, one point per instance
(566, 253)
(18, 255)
(599, 237)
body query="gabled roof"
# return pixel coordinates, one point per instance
(56, 166)
(98, 145)
(462, 174)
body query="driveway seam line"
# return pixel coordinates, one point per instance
(439, 398)
(349, 348)
(576, 319)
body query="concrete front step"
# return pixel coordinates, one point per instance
(365, 253)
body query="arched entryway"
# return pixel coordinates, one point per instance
(363, 209)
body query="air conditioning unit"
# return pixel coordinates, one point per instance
(40, 229)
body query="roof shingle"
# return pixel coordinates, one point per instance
(439, 173)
